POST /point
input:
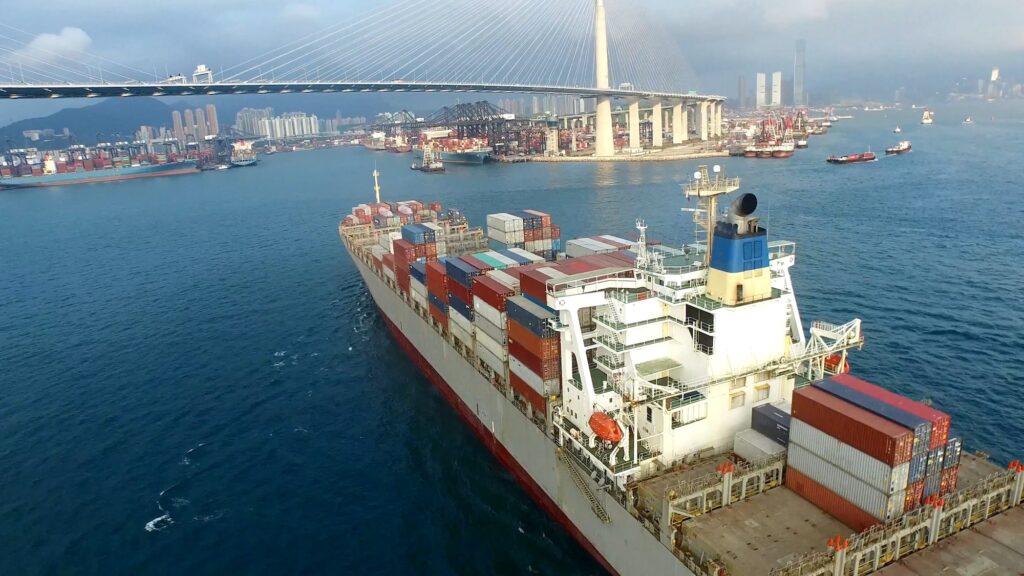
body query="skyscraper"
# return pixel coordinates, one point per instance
(799, 66)
(201, 129)
(741, 92)
(179, 129)
(776, 89)
(190, 123)
(761, 91)
(211, 119)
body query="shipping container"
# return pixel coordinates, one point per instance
(503, 276)
(532, 258)
(438, 310)
(935, 461)
(827, 500)
(920, 427)
(517, 258)
(464, 294)
(884, 507)
(504, 222)
(488, 358)
(437, 280)
(918, 466)
(461, 271)
(505, 261)
(932, 485)
(490, 261)
(915, 492)
(940, 420)
(492, 292)
(948, 480)
(875, 473)
(867, 432)
(419, 271)
(456, 304)
(533, 398)
(753, 446)
(772, 422)
(542, 348)
(534, 282)
(485, 310)
(477, 263)
(494, 346)
(953, 449)
(531, 315)
(546, 368)
(458, 330)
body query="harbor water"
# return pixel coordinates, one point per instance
(195, 380)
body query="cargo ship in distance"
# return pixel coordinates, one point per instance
(49, 176)
(667, 407)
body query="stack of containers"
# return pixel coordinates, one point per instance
(579, 247)
(418, 283)
(437, 291)
(534, 282)
(496, 260)
(846, 460)
(388, 260)
(522, 256)
(505, 231)
(405, 255)
(930, 463)
(437, 249)
(539, 236)
(461, 272)
(489, 297)
(534, 350)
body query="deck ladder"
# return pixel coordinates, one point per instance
(581, 483)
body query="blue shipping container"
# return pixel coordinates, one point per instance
(436, 301)
(771, 422)
(461, 271)
(918, 466)
(953, 448)
(919, 426)
(531, 316)
(413, 233)
(935, 460)
(419, 271)
(513, 256)
(932, 484)
(459, 306)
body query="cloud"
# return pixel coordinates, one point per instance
(70, 43)
(301, 12)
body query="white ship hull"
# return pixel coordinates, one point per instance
(623, 546)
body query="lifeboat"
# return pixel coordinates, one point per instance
(605, 428)
(835, 364)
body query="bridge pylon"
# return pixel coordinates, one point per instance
(605, 144)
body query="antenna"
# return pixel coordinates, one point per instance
(641, 249)
(707, 189)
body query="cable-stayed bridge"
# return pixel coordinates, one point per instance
(514, 46)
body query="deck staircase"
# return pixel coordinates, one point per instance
(581, 483)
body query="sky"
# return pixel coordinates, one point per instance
(866, 48)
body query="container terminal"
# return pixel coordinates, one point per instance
(666, 406)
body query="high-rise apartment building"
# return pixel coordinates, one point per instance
(761, 90)
(776, 89)
(211, 119)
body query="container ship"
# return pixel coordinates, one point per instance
(666, 406)
(242, 154)
(54, 172)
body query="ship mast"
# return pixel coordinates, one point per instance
(707, 189)
(376, 184)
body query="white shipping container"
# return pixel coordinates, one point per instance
(490, 359)
(459, 332)
(508, 262)
(875, 473)
(389, 273)
(417, 287)
(442, 248)
(386, 240)
(490, 313)
(577, 248)
(504, 222)
(528, 255)
(438, 231)
(461, 321)
(527, 375)
(885, 507)
(752, 446)
(505, 278)
(506, 237)
(629, 243)
(419, 299)
(491, 344)
(484, 325)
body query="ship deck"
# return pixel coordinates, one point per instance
(771, 529)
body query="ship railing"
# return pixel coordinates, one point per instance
(593, 282)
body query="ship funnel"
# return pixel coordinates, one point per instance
(740, 214)
(744, 205)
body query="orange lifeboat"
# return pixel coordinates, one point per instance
(605, 428)
(835, 364)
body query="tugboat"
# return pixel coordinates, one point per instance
(897, 129)
(801, 143)
(927, 118)
(901, 148)
(968, 120)
(868, 156)
(430, 163)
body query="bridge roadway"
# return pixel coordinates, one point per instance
(112, 90)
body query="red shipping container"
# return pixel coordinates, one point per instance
(402, 278)
(545, 218)
(556, 232)
(545, 233)
(940, 420)
(621, 256)
(404, 251)
(430, 250)
(875, 436)
(421, 250)
(438, 315)
(832, 503)
(576, 266)
(534, 283)
(538, 402)
(542, 348)
(529, 235)
(915, 491)
(610, 242)
(948, 480)
(492, 292)
(461, 292)
(437, 280)
(389, 260)
(477, 263)
(547, 369)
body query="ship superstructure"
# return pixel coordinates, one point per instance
(620, 381)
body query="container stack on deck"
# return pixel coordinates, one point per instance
(578, 247)
(530, 230)
(534, 350)
(866, 455)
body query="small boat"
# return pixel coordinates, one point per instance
(968, 120)
(868, 156)
(430, 163)
(897, 129)
(801, 143)
(901, 148)
(927, 118)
